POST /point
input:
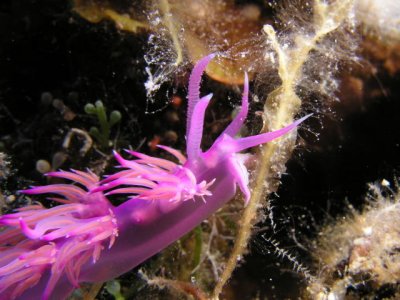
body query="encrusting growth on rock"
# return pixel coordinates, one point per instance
(360, 251)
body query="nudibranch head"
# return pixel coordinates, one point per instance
(156, 179)
(225, 152)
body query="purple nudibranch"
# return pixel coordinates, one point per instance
(46, 253)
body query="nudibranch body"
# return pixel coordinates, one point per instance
(165, 200)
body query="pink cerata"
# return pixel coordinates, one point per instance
(46, 252)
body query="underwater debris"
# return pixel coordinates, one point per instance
(97, 11)
(380, 19)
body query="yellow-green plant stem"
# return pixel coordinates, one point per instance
(171, 26)
(280, 109)
(198, 232)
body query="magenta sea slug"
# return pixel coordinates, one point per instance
(46, 252)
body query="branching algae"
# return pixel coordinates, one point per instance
(281, 105)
